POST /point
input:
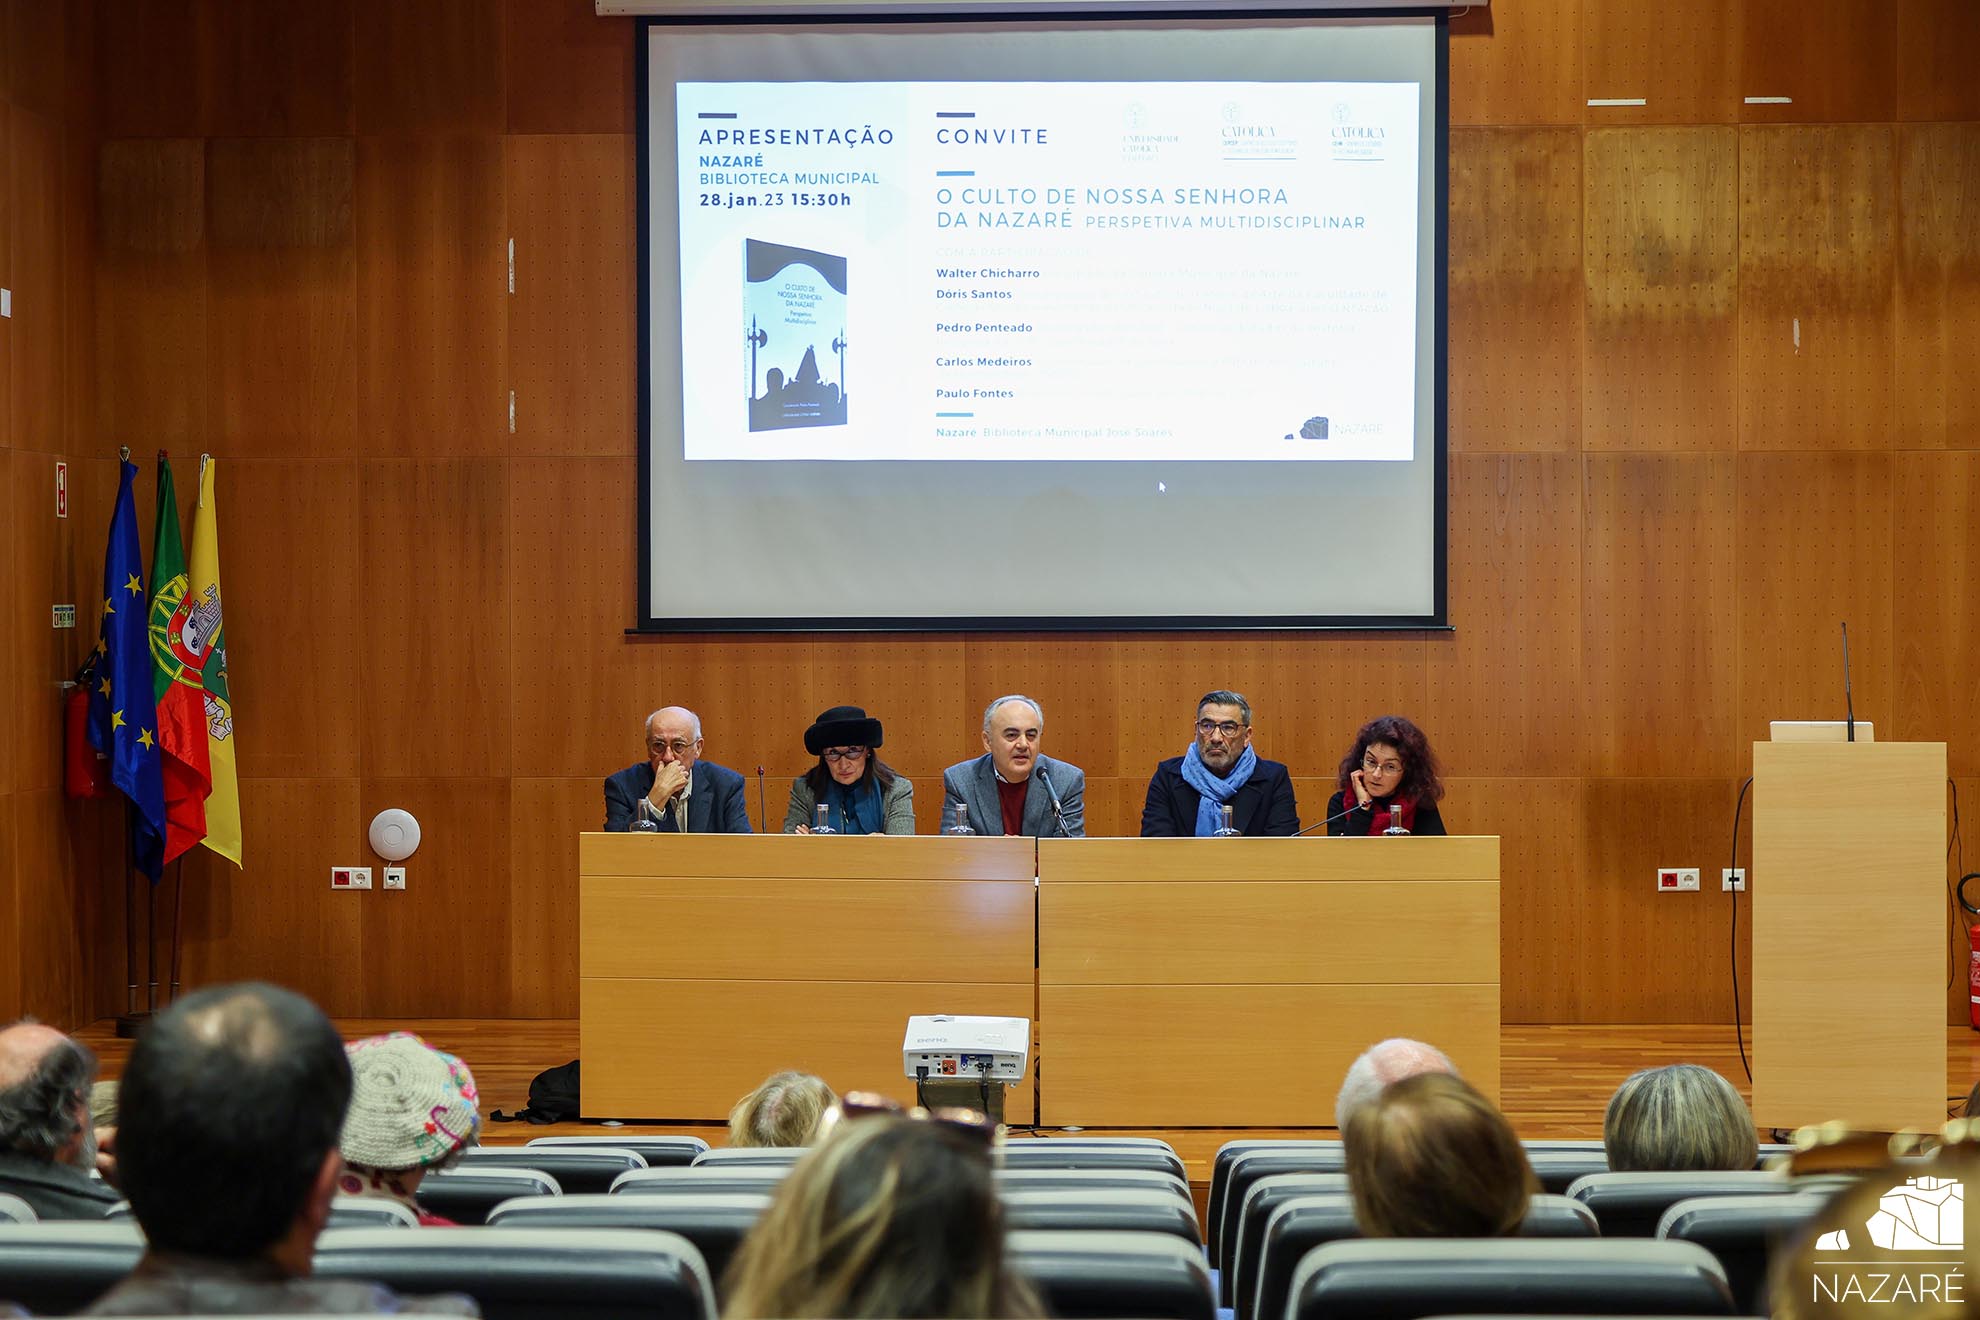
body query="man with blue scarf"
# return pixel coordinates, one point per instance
(1188, 793)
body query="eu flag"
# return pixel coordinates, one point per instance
(123, 714)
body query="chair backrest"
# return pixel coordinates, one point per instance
(700, 1178)
(1558, 1168)
(1408, 1278)
(715, 1222)
(577, 1169)
(59, 1266)
(658, 1151)
(1100, 1276)
(1098, 1143)
(1630, 1204)
(466, 1195)
(370, 1212)
(1261, 1198)
(528, 1274)
(1247, 1167)
(1220, 1173)
(1119, 1180)
(733, 1157)
(1742, 1232)
(1134, 1210)
(13, 1210)
(1306, 1222)
(1076, 1155)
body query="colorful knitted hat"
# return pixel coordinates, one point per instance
(412, 1106)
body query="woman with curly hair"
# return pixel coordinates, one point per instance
(1390, 777)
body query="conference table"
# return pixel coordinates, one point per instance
(1170, 982)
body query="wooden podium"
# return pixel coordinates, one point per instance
(1849, 934)
(707, 962)
(1230, 982)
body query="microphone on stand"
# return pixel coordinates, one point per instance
(1339, 815)
(1058, 810)
(1849, 704)
(762, 804)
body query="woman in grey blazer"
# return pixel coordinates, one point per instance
(860, 794)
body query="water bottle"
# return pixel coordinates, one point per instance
(823, 825)
(958, 820)
(642, 821)
(1395, 821)
(1227, 828)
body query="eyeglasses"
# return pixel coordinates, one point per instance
(680, 746)
(845, 753)
(1225, 727)
(1371, 765)
(871, 1104)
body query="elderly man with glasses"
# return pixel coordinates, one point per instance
(1220, 786)
(674, 791)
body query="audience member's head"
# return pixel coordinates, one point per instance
(231, 1106)
(1679, 1117)
(412, 1109)
(1379, 1065)
(888, 1217)
(1430, 1157)
(44, 1096)
(788, 1109)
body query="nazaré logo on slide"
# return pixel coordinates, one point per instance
(1919, 1215)
(1908, 1253)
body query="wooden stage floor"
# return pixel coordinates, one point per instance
(1555, 1080)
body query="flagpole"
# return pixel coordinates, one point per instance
(178, 910)
(130, 1020)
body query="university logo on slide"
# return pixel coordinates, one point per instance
(1906, 1254)
(1921, 1214)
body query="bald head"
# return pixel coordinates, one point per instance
(44, 1085)
(1382, 1064)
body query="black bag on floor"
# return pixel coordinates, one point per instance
(553, 1097)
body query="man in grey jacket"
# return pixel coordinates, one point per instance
(47, 1144)
(1013, 788)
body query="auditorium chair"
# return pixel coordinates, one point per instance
(466, 1195)
(700, 1178)
(59, 1266)
(1630, 1204)
(1103, 1276)
(657, 1151)
(1087, 1155)
(1096, 1143)
(1248, 1223)
(1247, 1167)
(577, 1170)
(1088, 1211)
(1220, 1173)
(1742, 1232)
(345, 1212)
(1560, 1167)
(739, 1157)
(13, 1210)
(531, 1274)
(1056, 1180)
(715, 1222)
(1264, 1277)
(1409, 1278)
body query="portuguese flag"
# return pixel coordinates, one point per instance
(178, 660)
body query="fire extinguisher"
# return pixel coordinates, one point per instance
(1973, 954)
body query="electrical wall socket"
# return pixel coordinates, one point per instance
(1677, 879)
(395, 877)
(350, 877)
(360, 877)
(1732, 877)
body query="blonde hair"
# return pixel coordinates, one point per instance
(1680, 1117)
(785, 1110)
(1431, 1157)
(888, 1218)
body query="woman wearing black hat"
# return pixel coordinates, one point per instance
(860, 795)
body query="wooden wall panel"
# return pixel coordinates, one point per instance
(570, 71)
(1816, 307)
(1660, 263)
(282, 296)
(151, 293)
(1814, 550)
(37, 54)
(9, 183)
(148, 66)
(1504, 691)
(1936, 41)
(50, 945)
(454, 897)
(296, 630)
(277, 70)
(432, 275)
(1679, 57)
(436, 596)
(572, 320)
(1835, 59)
(1658, 614)
(434, 67)
(1515, 290)
(546, 816)
(45, 558)
(1938, 285)
(17, 599)
(1936, 616)
(79, 392)
(36, 386)
(1547, 972)
(1518, 64)
(278, 919)
(11, 805)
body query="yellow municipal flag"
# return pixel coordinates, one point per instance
(223, 806)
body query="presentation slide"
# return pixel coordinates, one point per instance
(904, 271)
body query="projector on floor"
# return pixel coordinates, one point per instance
(953, 1048)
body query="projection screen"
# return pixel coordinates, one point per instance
(1043, 324)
